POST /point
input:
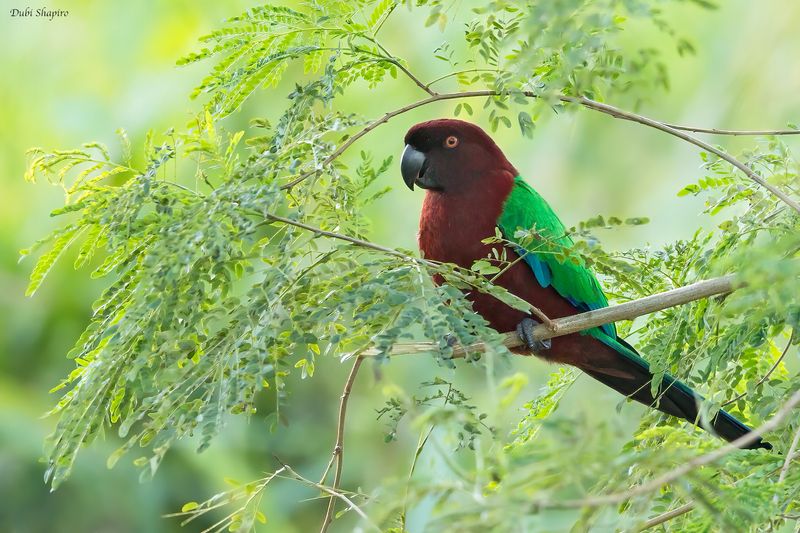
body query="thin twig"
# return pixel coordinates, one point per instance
(420, 446)
(717, 131)
(672, 475)
(338, 448)
(353, 240)
(625, 115)
(546, 321)
(412, 77)
(589, 319)
(683, 509)
(334, 493)
(669, 515)
(766, 376)
(389, 58)
(790, 456)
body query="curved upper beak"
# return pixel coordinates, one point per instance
(412, 166)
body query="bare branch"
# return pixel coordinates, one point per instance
(374, 124)
(685, 468)
(766, 376)
(625, 115)
(590, 319)
(716, 131)
(328, 490)
(457, 272)
(585, 102)
(338, 448)
(353, 240)
(669, 515)
(790, 456)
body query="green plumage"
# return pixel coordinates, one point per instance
(526, 209)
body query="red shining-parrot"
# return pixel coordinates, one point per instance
(471, 190)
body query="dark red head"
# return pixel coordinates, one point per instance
(450, 156)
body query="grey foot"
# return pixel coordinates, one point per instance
(450, 340)
(525, 332)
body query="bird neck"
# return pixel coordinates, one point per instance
(453, 223)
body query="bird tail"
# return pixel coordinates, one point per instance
(632, 376)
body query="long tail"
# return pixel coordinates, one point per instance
(631, 377)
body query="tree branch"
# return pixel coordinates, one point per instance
(790, 456)
(766, 376)
(716, 131)
(625, 115)
(436, 266)
(334, 493)
(347, 238)
(583, 101)
(687, 507)
(685, 468)
(669, 515)
(338, 448)
(589, 319)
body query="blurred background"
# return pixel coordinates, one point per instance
(111, 64)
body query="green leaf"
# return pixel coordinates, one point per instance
(189, 506)
(47, 260)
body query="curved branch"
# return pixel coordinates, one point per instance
(581, 100)
(374, 124)
(791, 455)
(625, 115)
(667, 478)
(436, 266)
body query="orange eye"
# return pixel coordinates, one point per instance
(451, 142)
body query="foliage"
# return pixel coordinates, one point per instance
(222, 283)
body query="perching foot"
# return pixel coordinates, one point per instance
(525, 332)
(450, 340)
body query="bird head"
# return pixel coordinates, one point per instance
(450, 156)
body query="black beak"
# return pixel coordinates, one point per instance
(412, 166)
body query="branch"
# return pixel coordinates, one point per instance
(585, 102)
(716, 131)
(435, 265)
(374, 124)
(790, 456)
(683, 509)
(766, 376)
(669, 515)
(589, 319)
(334, 494)
(353, 240)
(338, 448)
(625, 115)
(685, 468)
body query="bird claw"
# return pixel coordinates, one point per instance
(450, 340)
(525, 332)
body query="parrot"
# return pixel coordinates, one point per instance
(471, 192)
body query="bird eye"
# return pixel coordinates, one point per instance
(451, 142)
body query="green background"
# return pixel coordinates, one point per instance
(111, 64)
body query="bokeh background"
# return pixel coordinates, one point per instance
(110, 64)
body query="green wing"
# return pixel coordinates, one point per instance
(526, 209)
